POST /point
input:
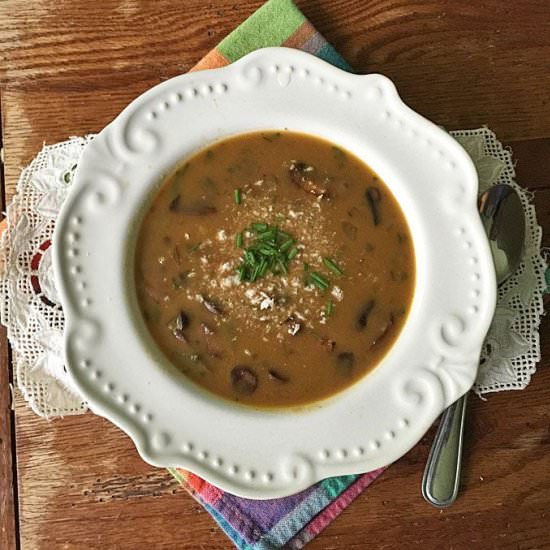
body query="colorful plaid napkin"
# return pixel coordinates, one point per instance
(293, 521)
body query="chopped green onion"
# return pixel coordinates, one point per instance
(237, 195)
(259, 227)
(263, 268)
(238, 240)
(286, 245)
(283, 267)
(292, 253)
(318, 280)
(330, 264)
(256, 272)
(264, 235)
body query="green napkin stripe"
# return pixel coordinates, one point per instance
(271, 25)
(176, 475)
(334, 486)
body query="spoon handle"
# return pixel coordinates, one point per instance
(441, 478)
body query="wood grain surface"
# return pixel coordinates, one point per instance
(8, 531)
(68, 67)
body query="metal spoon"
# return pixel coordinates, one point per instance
(504, 222)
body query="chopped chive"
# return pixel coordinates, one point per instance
(318, 280)
(256, 272)
(286, 245)
(238, 240)
(263, 268)
(329, 308)
(292, 253)
(330, 264)
(195, 247)
(264, 235)
(237, 195)
(266, 251)
(271, 250)
(259, 227)
(317, 284)
(283, 267)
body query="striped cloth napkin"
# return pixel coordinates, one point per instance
(293, 521)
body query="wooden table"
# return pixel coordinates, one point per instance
(69, 66)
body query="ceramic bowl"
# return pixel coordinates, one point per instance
(250, 452)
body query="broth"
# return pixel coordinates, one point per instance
(274, 269)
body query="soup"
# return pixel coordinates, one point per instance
(274, 269)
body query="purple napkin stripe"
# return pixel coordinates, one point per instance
(289, 522)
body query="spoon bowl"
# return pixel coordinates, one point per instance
(503, 218)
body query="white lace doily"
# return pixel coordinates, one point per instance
(30, 308)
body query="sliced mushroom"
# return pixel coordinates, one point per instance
(277, 376)
(303, 175)
(194, 209)
(363, 316)
(180, 321)
(345, 362)
(374, 197)
(178, 325)
(385, 331)
(211, 305)
(244, 380)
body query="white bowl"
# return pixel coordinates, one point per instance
(250, 452)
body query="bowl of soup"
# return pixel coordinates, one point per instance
(273, 273)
